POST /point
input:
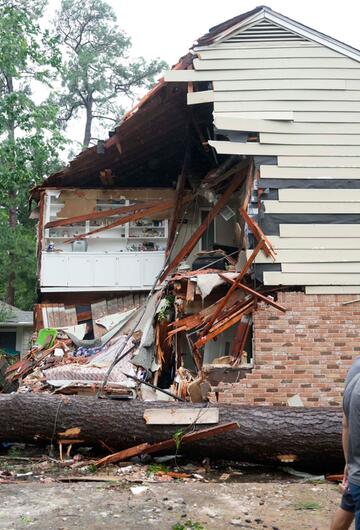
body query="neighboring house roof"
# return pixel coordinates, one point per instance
(150, 140)
(14, 317)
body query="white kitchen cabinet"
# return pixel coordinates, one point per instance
(151, 266)
(97, 271)
(104, 271)
(54, 270)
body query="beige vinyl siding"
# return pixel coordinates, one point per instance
(311, 207)
(287, 278)
(288, 51)
(306, 117)
(305, 106)
(303, 99)
(320, 230)
(309, 243)
(332, 289)
(310, 139)
(319, 161)
(226, 45)
(310, 256)
(256, 73)
(287, 63)
(320, 267)
(311, 195)
(254, 148)
(276, 95)
(309, 172)
(284, 84)
(290, 129)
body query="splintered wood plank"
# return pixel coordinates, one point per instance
(98, 310)
(168, 444)
(61, 315)
(120, 304)
(72, 316)
(176, 416)
(128, 302)
(112, 306)
(50, 316)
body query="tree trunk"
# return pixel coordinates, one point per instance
(12, 210)
(307, 438)
(89, 118)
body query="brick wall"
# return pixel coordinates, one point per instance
(306, 351)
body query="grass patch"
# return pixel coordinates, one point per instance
(307, 505)
(155, 468)
(188, 525)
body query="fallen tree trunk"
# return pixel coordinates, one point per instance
(308, 438)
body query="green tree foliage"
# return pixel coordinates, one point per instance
(29, 140)
(97, 70)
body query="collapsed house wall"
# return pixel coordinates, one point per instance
(306, 351)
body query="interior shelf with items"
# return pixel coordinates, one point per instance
(143, 235)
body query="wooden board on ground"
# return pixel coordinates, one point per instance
(176, 416)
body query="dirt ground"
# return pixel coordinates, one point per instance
(197, 504)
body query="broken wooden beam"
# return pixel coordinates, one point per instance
(256, 294)
(190, 244)
(149, 212)
(132, 208)
(165, 445)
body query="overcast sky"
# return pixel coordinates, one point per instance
(167, 28)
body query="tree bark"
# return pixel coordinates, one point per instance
(306, 438)
(12, 210)
(89, 118)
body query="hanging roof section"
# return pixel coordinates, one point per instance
(147, 147)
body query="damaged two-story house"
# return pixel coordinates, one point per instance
(231, 194)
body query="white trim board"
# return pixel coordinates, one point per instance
(312, 207)
(332, 289)
(276, 172)
(319, 195)
(309, 256)
(310, 139)
(321, 267)
(250, 45)
(289, 129)
(320, 230)
(283, 243)
(279, 278)
(255, 148)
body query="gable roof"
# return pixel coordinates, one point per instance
(236, 24)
